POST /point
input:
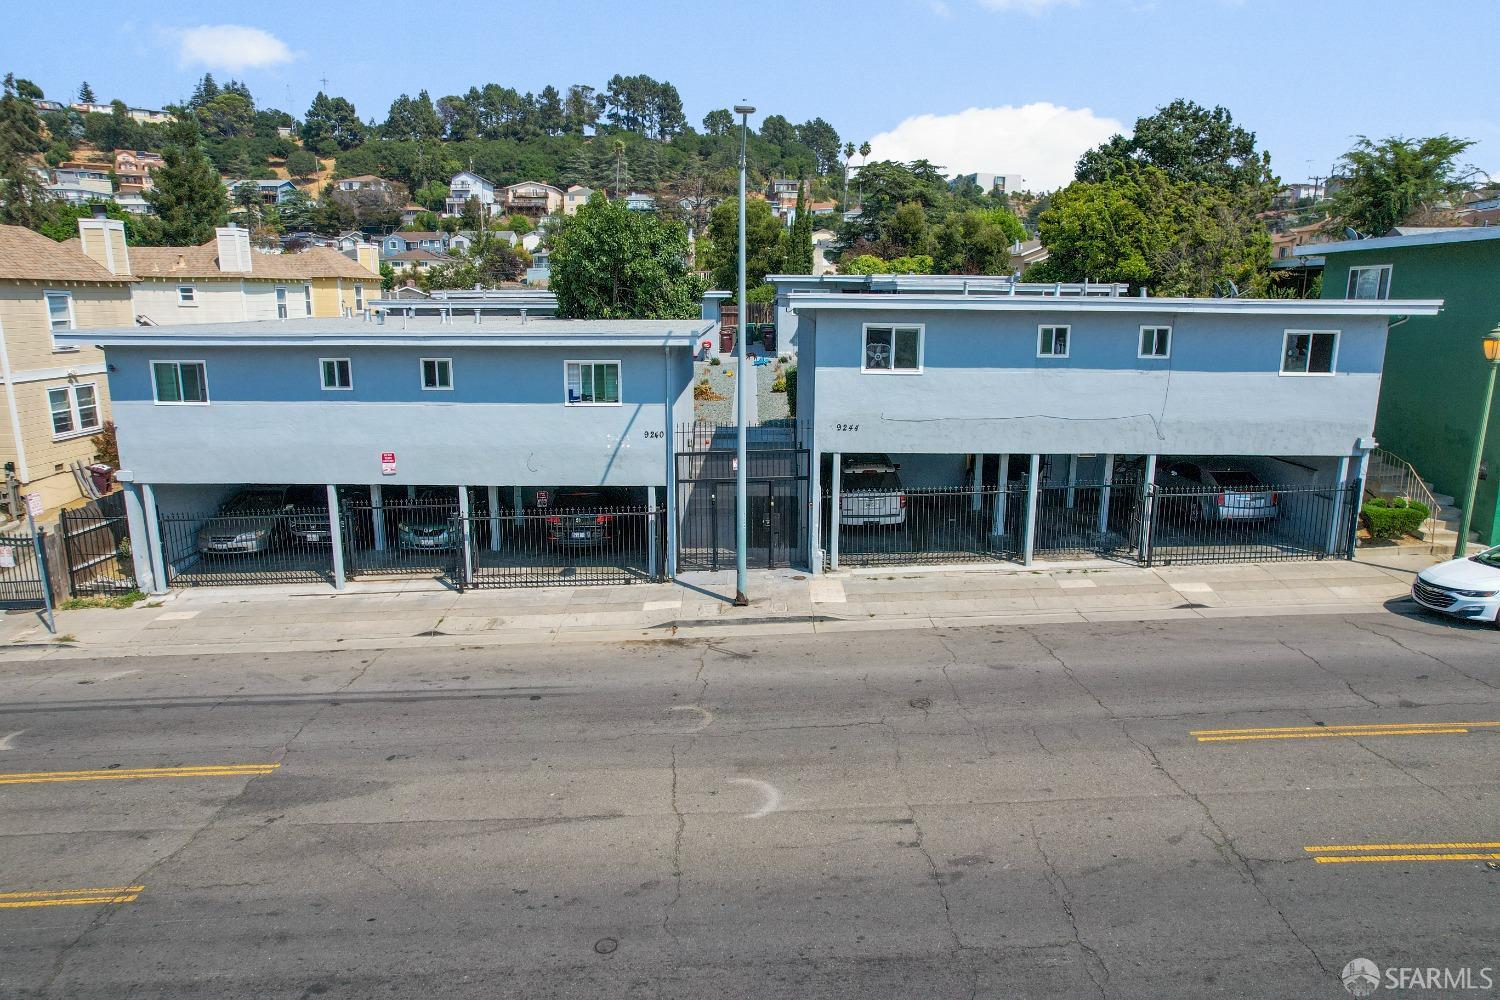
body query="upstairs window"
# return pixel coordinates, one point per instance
(359, 298)
(281, 302)
(187, 295)
(1156, 342)
(893, 349)
(1373, 282)
(1052, 341)
(307, 300)
(1309, 352)
(336, 372)
(437, 373)
(595, 383)
(180, 381)
(60, 315)
(74, 409)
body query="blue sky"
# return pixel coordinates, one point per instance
(1013, 86)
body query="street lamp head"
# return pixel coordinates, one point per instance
(744, 109)
(1492, 345)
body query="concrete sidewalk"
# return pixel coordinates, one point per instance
(424, 613)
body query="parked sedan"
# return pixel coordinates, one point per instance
(1222, 493)
(870, 492)
(1467, 588)
(248, 522)
(578, 517)
(426, 530)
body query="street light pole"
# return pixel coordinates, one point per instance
(1471, 485)
(742, 380)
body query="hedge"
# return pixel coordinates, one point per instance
(1386, 519)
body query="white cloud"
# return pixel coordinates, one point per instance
(233, 48)
(1041, 141)
(1027, 6)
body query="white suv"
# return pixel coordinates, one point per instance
(870, 492)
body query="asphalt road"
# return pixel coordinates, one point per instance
(985, 812)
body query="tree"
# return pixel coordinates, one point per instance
(23, 199)
(331, 125)
(581, 108)
(611, 263)
(62, 222)
(799, 246)
(1187, 142)
(765, 243)
(412, 119)
(188, 196)
(977, 241)
(302, 163)
(85, 93)
(205, 91)
(777, 130)
(1396, 180)
(26, 90)
(549, 111)
(718, 121)
(820, 137)
(227, 115)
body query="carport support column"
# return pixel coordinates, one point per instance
(1106, 479)
(1336, 515)
(1028, 549)
(1072, 479)
(1148, 508)
(465, 535)
(153, 536)
(515, 504)
(377, 516)
(335, 537)
(978, 482)
(494, 497)
(836, 511)
(1001, 483)
(140, 546)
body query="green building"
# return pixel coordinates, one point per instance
(1431, 392)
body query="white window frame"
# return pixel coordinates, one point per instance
(1141, 342)
(1352, 281)
(307, 299)
(422, 375)
(188, 300)
(619, 380)
(179, 361)
(322, 375)
(47, 296)
(78, 430)
(1067, 339)
(359, 296)
(864, 341)
(1333, 360)
(283, 309)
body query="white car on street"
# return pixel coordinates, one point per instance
(1467, 588)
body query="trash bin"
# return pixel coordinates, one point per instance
(726, 340)
(103, 477)
(768, 337)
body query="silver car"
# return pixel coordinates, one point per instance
(247, 522)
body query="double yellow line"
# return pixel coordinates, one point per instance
(128, 773)
(69, 897)
(1338, 854)
(1360, 731)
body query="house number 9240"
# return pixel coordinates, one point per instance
(846, 427)
(653, 435)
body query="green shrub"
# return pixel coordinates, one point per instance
(1387, 519)
(714, 360)
(789, 380)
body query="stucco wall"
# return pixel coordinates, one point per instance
(504, 422)
(982, 388)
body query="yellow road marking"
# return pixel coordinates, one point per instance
(122, 774)
(69, 897)
(1340, 859)
(1350, 729)
(1485, 845)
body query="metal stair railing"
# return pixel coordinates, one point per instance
(1389, 476)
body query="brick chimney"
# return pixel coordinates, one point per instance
(103, 241)
(234, 249)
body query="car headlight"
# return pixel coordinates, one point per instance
(1473, 593)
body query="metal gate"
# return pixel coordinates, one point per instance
(926, 525)
(1089, 520)
(1268, 524)
(97, 548)
(23, 577)
(256, 549)
(410, 537)
(776, 494)
(541, 547)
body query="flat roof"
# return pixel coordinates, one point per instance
(400, 331)
(1433, 237)
(876, 302)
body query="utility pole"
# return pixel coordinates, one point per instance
(742, 378)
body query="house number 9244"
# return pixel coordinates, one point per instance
(846, 427)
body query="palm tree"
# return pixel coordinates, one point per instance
(848, 155)
(864, 157)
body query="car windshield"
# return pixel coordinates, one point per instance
(871, 481)
(1236, 478)
(579, 501)
(1489, 557)
(243, 503)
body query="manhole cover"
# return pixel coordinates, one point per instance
(606, 946)
(921, 703)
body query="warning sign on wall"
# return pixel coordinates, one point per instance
(388, 463)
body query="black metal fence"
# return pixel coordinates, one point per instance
(1263, 524)
(240, 549)
(539, 546)
(913, 526)
(97, 548)
(406, 538)
(22, 576)
(1087, 520)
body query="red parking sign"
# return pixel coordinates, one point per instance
(388, 463)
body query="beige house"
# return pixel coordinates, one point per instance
(226, 280)
(56, 397)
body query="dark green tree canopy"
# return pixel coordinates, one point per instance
(611, 263)
(188, 196)
(765, 243)
(331, 125)
(1398, 180)
(23, 200)
(1187, 142)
